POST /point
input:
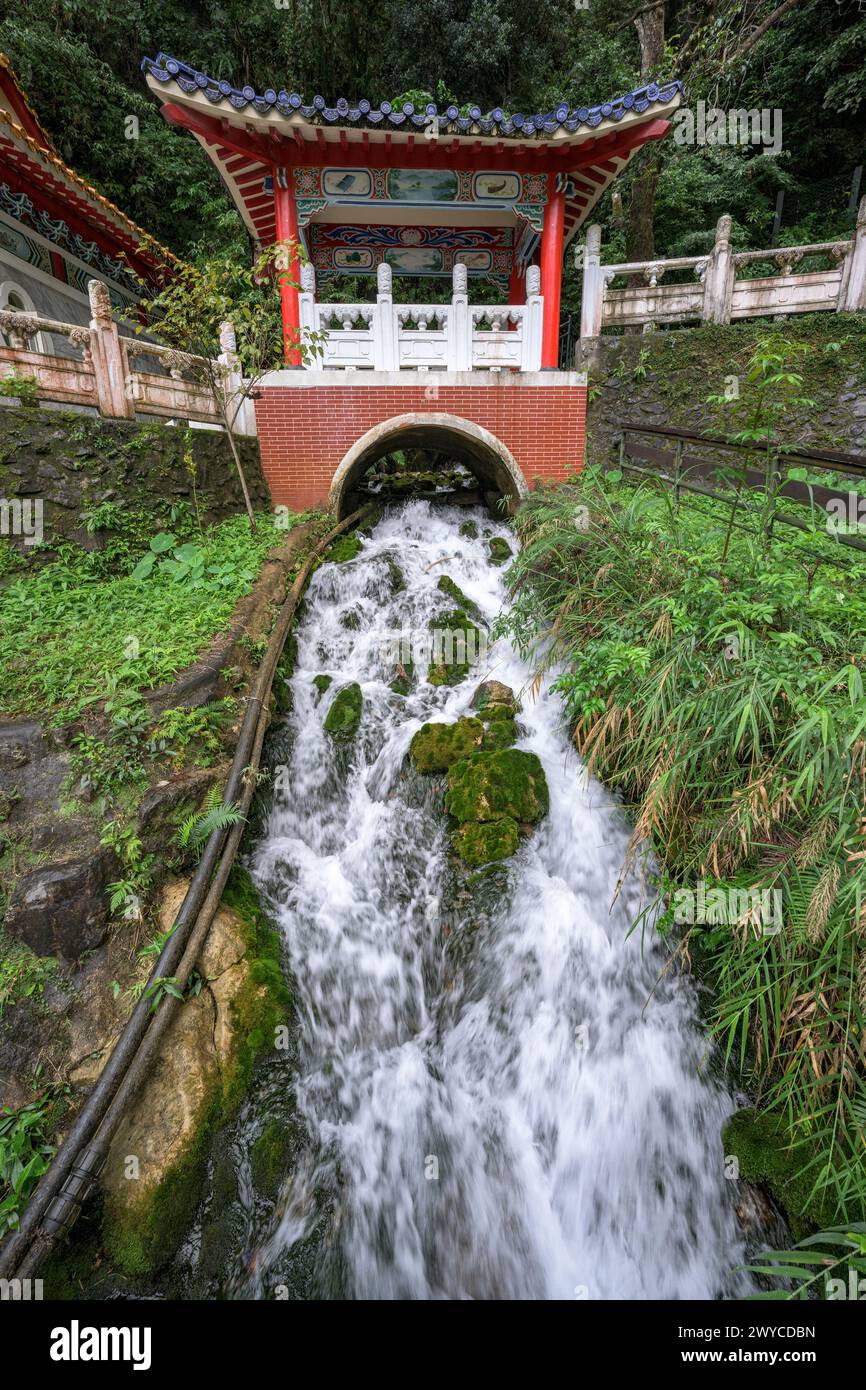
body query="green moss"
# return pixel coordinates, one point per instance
(270, 1157)
(396, 578)
(288, 658)
(459, 641)
(344, 713)
(351, 619)
(143, 1238)
(478, 843)
(447, 585)
(470, 529)
(344, 548)
(436, 746)
(501, 732)
(489, 786)
(763, 1147)
(322, 683)
(500, 551)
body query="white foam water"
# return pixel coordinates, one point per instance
(538, 1121)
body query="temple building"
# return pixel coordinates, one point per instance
(57, 233)
(374, 190)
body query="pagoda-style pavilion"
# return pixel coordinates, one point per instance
(420, 191)
(382, 191)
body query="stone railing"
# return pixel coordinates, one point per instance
(720, 292)
(110, 375)
(456, 337)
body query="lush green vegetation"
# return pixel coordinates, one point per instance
(713, 672)
(25, 1152)
(80, 627)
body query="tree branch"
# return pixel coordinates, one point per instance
(757, 34)
(644, 9)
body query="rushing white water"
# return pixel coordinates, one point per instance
(528, 1117)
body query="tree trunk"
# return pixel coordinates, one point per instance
(640, 242)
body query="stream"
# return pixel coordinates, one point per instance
(497, 1092)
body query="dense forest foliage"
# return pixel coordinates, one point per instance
(806, 59)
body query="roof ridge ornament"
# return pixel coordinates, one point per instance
(563, 116)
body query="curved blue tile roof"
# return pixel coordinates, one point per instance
(167, 69)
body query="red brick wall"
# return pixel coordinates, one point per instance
(304, 432)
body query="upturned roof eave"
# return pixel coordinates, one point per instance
(270, 111)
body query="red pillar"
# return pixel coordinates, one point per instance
(286, 213)
(551, 271)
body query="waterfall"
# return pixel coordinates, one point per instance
(505, 1093)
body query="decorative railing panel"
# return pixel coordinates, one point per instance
(453, 337)
(120, 376)
(724, 292)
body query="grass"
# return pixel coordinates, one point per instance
(22, 973)
(725, 699)
(72, 632)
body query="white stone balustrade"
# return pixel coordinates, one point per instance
(719, 293)
(455, 337)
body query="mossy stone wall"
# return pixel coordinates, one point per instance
(665, 378)
(73, 462)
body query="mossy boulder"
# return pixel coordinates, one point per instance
(283, 695)
(344, 548)
(396, 577)
(344, 714)
(500, 551)
(500, 733)
(404, 679)
(470, 529)
(490, 786)
(322, 683)
(206, 1063)
(763, 1146)
(482, 842)
(456, 644)
(447, 586)
(494, 700)
(436, 746)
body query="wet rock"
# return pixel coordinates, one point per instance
(500, 551)
(322, 683)
(493, 700)
(457, 642)
(404, 679)
(344, 714)
(479, 843)
(447, 586)
(63, 910)
(436, 746)
(755, 1212)
(490, 786)
(470, 529)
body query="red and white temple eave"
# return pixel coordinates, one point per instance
(313, 172)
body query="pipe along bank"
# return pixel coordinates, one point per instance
(69, 1180)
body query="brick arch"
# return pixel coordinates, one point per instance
(474, 446)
